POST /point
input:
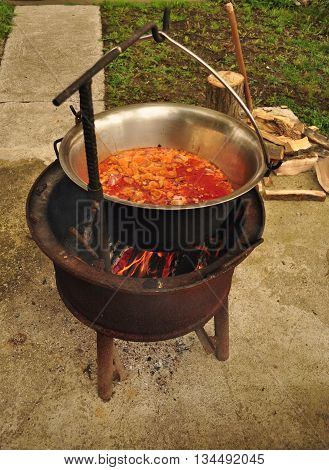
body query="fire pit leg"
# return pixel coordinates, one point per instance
(222, 332)
(205, 340)
(105, 366)
(119, 369)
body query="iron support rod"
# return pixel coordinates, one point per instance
(88, 124)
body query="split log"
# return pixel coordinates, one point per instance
(293, 195)
(295, 146)
(296, 166)
(282, 121)
(322, 173)
(321, 152)
(283, 111)
(275, 152)
(282, 127)
(302, 154)
(317, 138)
(291, 145)
(219, 98)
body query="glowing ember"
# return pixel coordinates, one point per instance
(159, 264)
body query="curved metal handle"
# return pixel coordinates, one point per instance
(230, 89)
(55, 144)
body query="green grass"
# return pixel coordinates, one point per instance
(286, 52)
(6, 15)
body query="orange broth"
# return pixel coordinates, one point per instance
(162, 176)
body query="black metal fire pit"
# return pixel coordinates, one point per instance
(135, 309)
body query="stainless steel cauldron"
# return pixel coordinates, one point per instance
(228, 143)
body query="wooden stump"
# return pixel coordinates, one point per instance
(219, 98)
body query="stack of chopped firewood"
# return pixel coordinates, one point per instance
(300, 148)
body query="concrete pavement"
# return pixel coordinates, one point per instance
(272, 393)
(47, 49)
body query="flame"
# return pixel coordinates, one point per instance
(167, 267)
(140, 264)
(155, 263)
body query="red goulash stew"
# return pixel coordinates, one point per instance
(162, 176)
